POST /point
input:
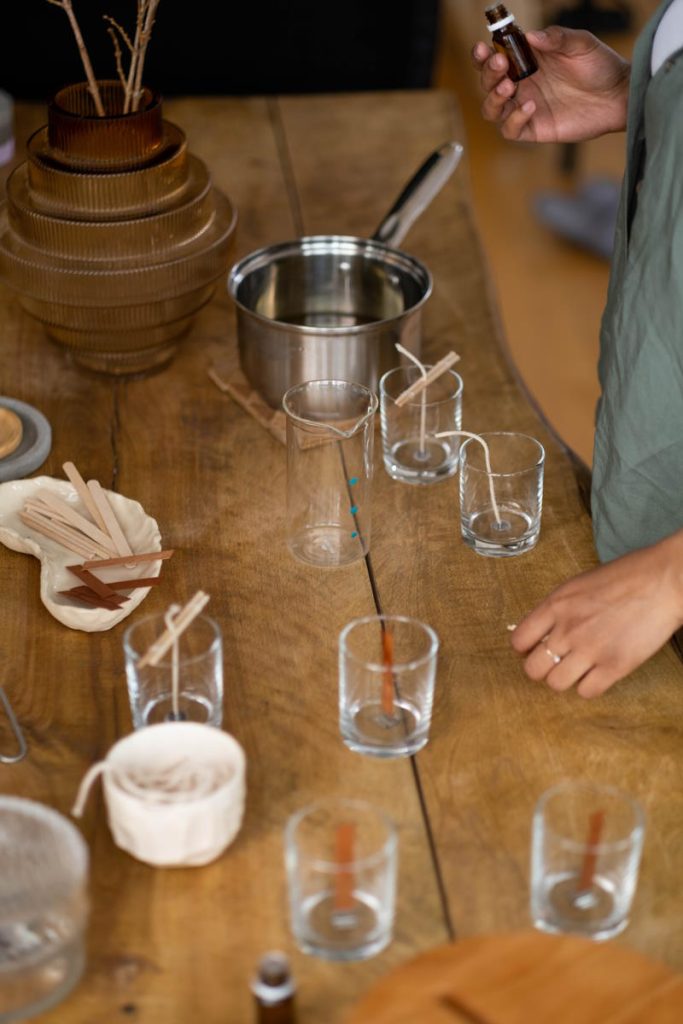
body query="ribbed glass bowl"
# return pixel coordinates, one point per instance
(112, 233)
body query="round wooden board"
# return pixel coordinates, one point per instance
(525, 978)
(11, 431)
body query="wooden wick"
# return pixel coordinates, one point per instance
(181, 621)
(596, 823)
(111, 522)
(81, 488)
(388, 674)
(170, 619)
(65, 536)
(345, 839)
(429, 375)
(487, 459)
(55, 505)
(145, 556)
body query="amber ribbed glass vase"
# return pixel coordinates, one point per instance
(112, 233)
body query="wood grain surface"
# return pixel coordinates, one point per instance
(524, 977)
(179, 945)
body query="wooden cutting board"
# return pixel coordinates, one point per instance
(525, 978)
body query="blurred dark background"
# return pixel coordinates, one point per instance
(200, 46)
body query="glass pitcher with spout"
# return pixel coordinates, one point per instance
(330, 434)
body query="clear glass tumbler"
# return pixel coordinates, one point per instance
(199, 669)
(330, 434)
(341, 860)
(500, 511)
(585, 854)
(412, 452)
(43, 908)
(387, 671)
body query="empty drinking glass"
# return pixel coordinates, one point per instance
(387, 670)
(501, 503)
(43, 907)
(329, 470)
(341, 860)
(412, 451)
(586, 845)
(198, 669)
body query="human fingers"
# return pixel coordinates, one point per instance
(493, 71)
(480, 53)
(598, 680)
(545, 656)
(497, 105)
(567, 41)
(514, 126)
(533, 628)
(571, 669)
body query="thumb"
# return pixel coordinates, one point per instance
(566, 41)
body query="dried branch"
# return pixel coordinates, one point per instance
(85, 58)
(150, 15)
(130, 84)
(120, 29)
(118, 56)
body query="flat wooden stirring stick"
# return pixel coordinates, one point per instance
(106, 511)
(344, 843)
(181, 621)
(143, 556)
(73, 518)
(596, 824)
(81, 488)
(430, 376)
(388, 673)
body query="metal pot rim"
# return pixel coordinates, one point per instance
(329, 245)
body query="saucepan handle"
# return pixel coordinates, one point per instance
(428, 180)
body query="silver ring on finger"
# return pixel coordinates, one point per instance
(555, 658)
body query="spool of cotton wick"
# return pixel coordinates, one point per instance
(164, 784)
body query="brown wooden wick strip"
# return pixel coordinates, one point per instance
(149, 556)
(89, 596)
(144, 581)
(90, 580)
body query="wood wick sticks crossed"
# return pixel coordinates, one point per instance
(96, 536)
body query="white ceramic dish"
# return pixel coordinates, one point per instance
(140, 529)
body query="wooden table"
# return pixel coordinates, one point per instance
(179, 945)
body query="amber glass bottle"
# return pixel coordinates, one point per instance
(508, 38)
(273, 989)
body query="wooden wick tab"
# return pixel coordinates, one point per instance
(345, 841)
(429, 377)
(596, 824)
(388, 674)
(181, 621)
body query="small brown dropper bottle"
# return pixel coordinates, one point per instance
(273, 989)
(508, 38)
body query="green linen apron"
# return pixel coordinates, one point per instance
(637, 491)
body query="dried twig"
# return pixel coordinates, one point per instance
(150, 10)
(118, 56)
(89, 73)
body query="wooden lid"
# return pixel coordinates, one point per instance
(525, 978)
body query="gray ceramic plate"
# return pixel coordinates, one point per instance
(35, 445)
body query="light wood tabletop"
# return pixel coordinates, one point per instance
(176, 946)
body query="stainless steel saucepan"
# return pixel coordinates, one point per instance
(333, 306)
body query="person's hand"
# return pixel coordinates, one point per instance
(596, 628)
(580, 90)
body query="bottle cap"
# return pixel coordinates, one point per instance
(273, 982)
(500, 24)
